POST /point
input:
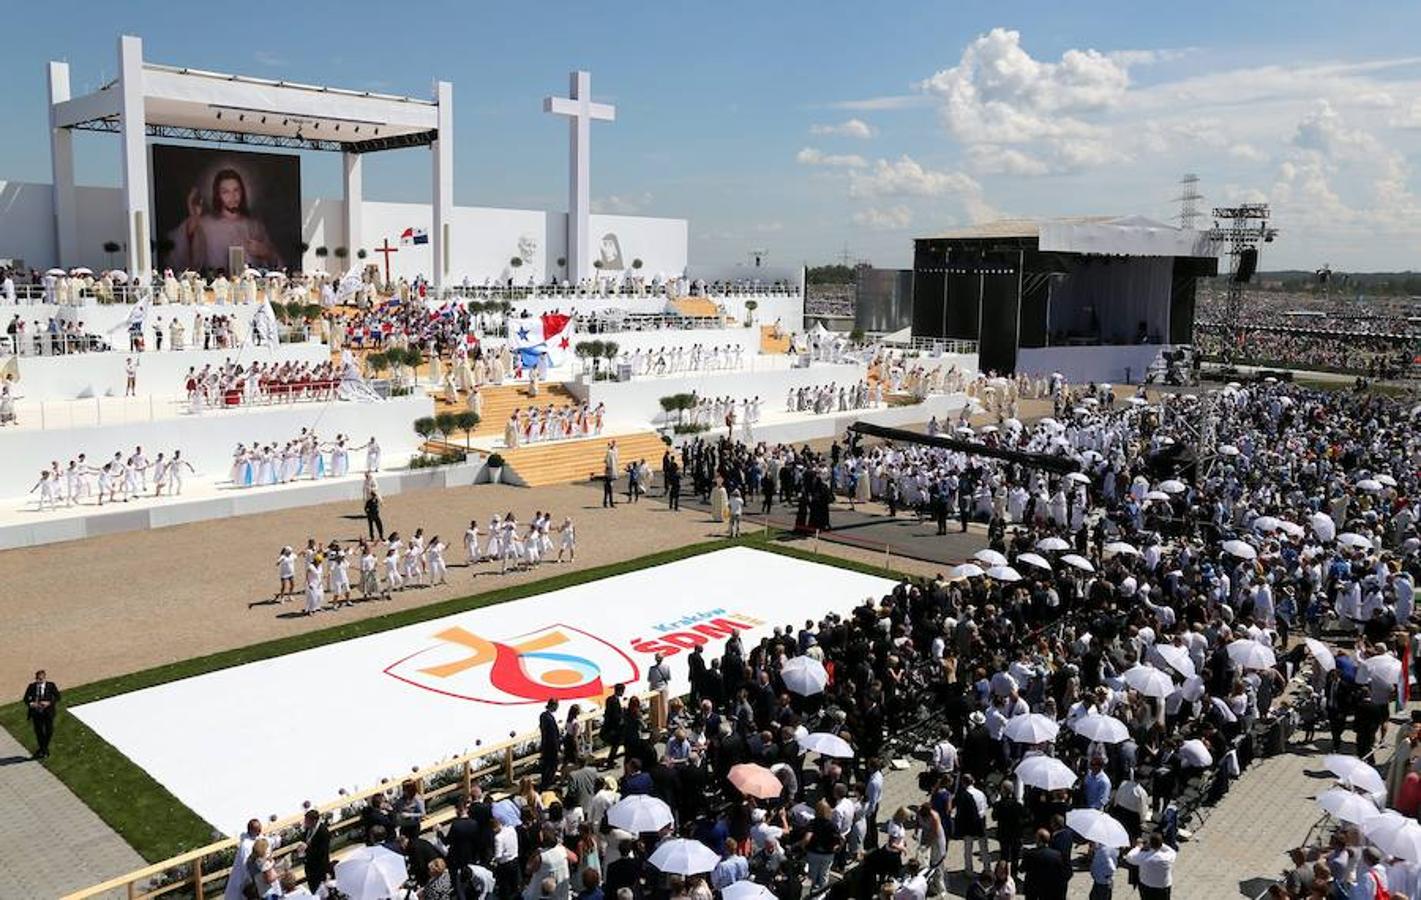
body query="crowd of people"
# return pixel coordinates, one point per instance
(305, 457)
(232, 384)
(385, 566)
(678, 360)
(123, 478)
(1374, 355)
(534, 425)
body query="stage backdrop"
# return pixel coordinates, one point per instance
(209, 201)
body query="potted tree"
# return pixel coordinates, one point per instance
(377, 362)
(425, 427)
(495, 468)
(609, 352)
(466, 421)
(447, 422)
(750, 307)
(582, 350)
(110, 248)
(594, 352)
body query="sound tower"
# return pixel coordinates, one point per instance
(1247, 264)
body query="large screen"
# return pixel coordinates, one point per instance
(210, 203)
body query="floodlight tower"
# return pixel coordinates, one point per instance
(1189, 213)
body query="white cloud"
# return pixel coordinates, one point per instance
(878, 104)
(1247, 153)
(891, 219)
(906, 177)
(998, 93)
(994, 159)
(854, 128)
(618, 204)
(811, 156)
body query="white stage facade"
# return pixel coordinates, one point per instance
(476, 675)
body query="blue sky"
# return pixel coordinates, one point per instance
(803, 127)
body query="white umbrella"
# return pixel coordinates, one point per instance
(1395, 834)
(1385, 479)
(1097, 827)
(1369, 485)
(826, 744)
(1352, 539)
(1119, 548)
(1045, 772)
(371, 873)
(967, 570)
(683, 857)
(1323, 526)
(1078, 477)
(746, 890)
(1076, 561)
(1048, 422)
(1228, 450)
(990, 557)
(805, 675)
(1355, 773)
(1384, 667)
(639, 814)
(1267, 523)
(1192, 688)
(1149, 681)
(1004, 573)
(81, 270)
(1223, 709)
(1032, 728)
(1158, 497)
(1321, 653)
(1240, 549)
(56, 272)
(1347, 806)
(118, 275)
(1053, 544)
(1035, 560)
(1172, 486)
(1248, 654)
(1177, 658)
(1105, 729)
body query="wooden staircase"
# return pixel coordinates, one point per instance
(501, 400)
(770, 344)
(560, 462)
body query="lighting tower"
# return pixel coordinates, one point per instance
(1238, 230)
(1188, 199)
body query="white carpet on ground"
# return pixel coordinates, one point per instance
(261, 738)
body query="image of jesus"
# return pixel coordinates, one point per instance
(204, 237)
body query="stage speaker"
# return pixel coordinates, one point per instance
(1247, 265)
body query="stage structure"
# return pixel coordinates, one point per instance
(1238, 230)
(149, 100)
(1096, 298)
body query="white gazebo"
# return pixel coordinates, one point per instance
(152, 100)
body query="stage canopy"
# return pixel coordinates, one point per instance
(1105, 235)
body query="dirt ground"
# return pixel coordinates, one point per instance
(117, 604)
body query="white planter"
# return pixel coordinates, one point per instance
(495, 474)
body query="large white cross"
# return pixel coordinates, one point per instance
(580, 111)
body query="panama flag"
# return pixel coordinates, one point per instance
(550, 333)
(414, 236)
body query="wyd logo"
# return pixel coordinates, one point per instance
(556, 663)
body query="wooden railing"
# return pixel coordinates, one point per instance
(203, 872)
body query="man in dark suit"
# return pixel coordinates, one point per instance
(612, 723)
(1046, 872)
(419, 853)
(463, 840)
(41, 703)
(317, 840)
(547, 746)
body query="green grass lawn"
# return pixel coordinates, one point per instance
(154, 822)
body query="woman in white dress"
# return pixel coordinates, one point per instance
(494, 550)
(434, 561)
(340, 457)
(471, 543)
(315, 590)
(372, 456)
(339, 564)
(568, 540)
(510, 431)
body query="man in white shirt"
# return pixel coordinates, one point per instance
(1155, 864)
(914, 885)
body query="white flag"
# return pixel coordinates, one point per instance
(264, 323)
(138, 315)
